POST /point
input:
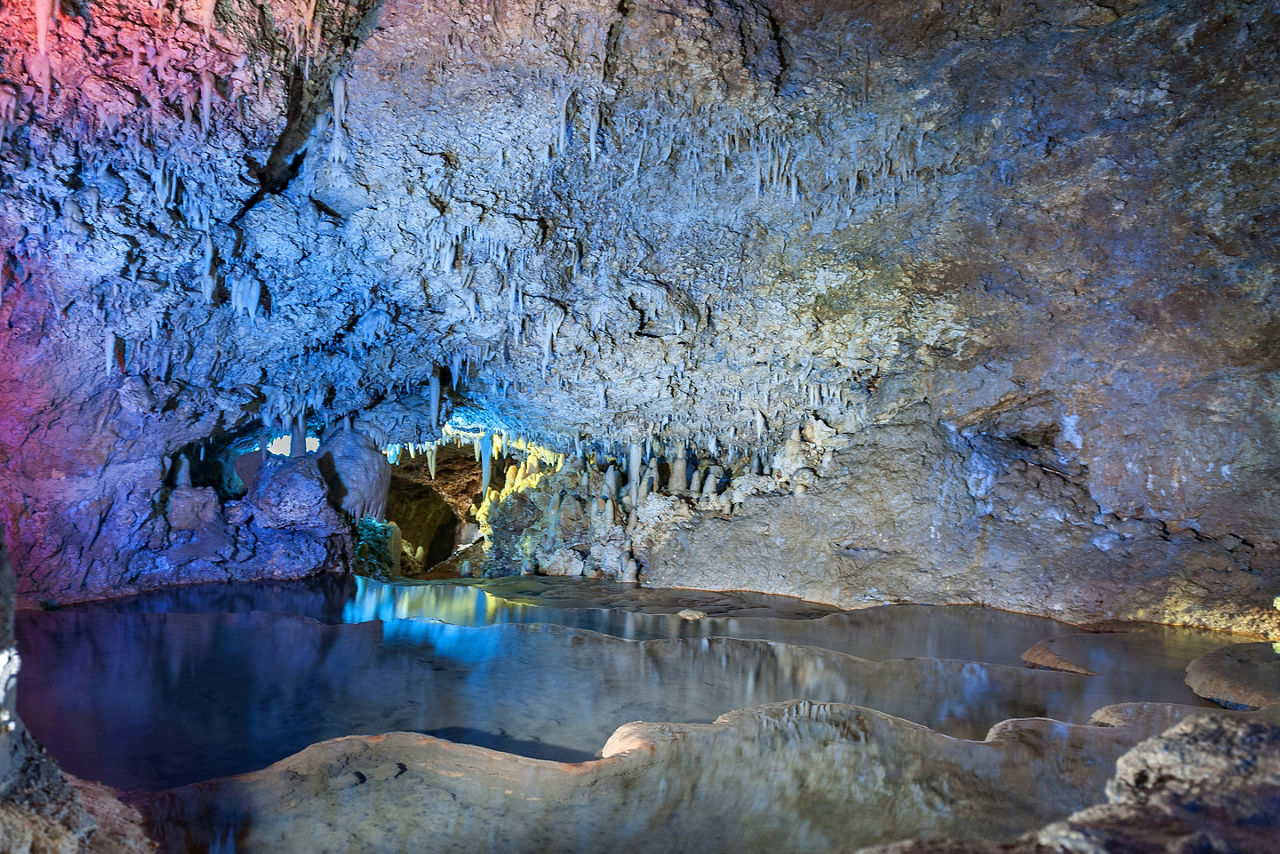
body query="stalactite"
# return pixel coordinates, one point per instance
(337, 152)
(207, 8)
(206, 98)
(433, 398)
(44, 15)
(486, 462)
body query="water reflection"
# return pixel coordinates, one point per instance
(175, 687)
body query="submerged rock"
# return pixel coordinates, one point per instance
(1042, 656)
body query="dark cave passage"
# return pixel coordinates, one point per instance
(428, 524)
(434, 509)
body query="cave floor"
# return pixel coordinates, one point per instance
(178, 686)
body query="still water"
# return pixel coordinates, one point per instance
(191, 683)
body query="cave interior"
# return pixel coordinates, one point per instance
(574, 425)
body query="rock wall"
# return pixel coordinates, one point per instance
(910, 510)
(903, 510)
(1019, 262)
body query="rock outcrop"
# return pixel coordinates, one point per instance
(788, 776)
(1240, 676)
(1211, 783)
(794, 776)
(40, 811)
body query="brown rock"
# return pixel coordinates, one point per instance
(1240, 676)
(1042, 657)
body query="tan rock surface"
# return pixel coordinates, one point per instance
(792, 776)
(1238, 676)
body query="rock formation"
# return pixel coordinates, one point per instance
(40, 811)
(985, 297)
(863, 302)
(674, 786)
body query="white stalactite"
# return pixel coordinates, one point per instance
(206, 98)
(433, 397)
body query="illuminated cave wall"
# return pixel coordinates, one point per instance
(1009, 269)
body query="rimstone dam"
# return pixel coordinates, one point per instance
(685, 426)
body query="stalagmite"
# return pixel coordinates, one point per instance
(610, 490)
(298, 440)
(679, 481)
(709, 485)
(636, 459)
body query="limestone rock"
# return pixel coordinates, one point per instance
(356, 472)
(193, 508)
(1209, 781)
(1042, 656)
(564, 562)
(1240, 676)
(818, 776)
(292, 494)
(992, 287)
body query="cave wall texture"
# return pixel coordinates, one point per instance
(1010, 269)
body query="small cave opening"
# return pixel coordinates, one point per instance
(211, 462)
(429, 526)
(434, 511)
